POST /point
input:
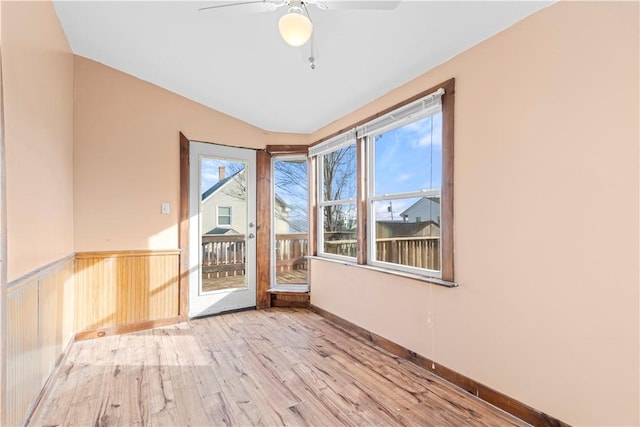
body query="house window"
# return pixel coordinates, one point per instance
(405, 164)
(337, 212)
(405, 180)
(224, 216)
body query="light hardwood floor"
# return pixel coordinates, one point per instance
(270, 367)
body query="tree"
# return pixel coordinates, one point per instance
(339, 169)
(290, 182)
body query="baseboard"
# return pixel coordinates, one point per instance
(125, 329)
(495, 398)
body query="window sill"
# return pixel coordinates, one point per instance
(432, 280)
(283, 289)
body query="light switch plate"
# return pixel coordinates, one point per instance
(164, 208)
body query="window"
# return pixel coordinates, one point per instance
(405, 172)
(224, 216)
(405, 180)
(337, 212)
(290, 221)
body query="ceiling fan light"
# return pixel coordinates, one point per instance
(295, 28)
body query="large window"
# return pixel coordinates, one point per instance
(405, 181)
(337, 209)
(404, 171)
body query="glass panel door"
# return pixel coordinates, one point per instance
(222, 229)
(290, 223)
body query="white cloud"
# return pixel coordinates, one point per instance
(403, 177)
(424, 132)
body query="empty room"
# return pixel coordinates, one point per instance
(320, 212)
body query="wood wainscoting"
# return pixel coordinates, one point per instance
(39, 328)
(119, 290)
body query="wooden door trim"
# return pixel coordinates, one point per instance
(183, 230)
(263, 229)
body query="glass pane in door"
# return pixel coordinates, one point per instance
(223, 224)
(290, 221)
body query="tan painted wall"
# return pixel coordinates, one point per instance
(546, 159)
(127, 158)
(38, 101)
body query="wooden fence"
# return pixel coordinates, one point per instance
(224, 256)
(290, 251)
(422, 251)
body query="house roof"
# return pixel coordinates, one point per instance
(220, 230)
(420, 203)
(218, 185)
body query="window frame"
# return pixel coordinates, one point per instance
(230, 225)
(362, 203)
(321, 203)
(371, 198)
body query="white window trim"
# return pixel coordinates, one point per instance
(334, 144)
(412, 112)
(417, 110)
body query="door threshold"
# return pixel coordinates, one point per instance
(235, 310)
(289, 289)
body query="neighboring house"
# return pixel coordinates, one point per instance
(424, 210)
(422, 219)
(281, 214)
(224, 208)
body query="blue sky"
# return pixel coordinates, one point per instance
(407, 159)
(209, 170)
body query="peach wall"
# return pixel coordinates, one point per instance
(38, 102)
(546, 220)
(127, 157)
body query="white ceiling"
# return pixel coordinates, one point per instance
(233, 59)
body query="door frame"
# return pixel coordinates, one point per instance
(263, 228)
(236, 297)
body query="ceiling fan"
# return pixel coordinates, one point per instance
(295, 26)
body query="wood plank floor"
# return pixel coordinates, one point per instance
(269, 367)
